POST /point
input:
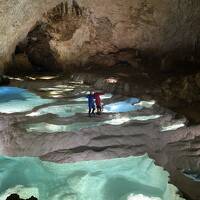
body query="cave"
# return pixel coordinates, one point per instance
(100, 93)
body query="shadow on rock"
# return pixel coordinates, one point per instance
(16, 197)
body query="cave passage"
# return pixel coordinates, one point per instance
(145, 58)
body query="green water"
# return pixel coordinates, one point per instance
(115, 179)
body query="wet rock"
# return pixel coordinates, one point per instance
(184, 88)
(4, 80)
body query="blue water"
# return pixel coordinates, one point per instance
(11, 93)
(14, 99)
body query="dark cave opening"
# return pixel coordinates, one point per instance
(33, 55)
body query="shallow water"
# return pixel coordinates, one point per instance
(13, 99)
(116, 179)
(61, 110)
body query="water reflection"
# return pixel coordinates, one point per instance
(61, 110)
(146, 104)
(123, 106)
(141, 197)
(44, 127)
(77, 126)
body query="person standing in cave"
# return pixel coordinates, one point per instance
(98, 102)
(91, 104)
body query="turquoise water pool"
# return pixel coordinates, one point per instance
(115, 179)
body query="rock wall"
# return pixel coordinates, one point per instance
(17, 18)
(85, 32)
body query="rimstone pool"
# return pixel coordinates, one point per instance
(61, 153)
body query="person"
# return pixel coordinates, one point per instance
(91, 104)
(98, 101)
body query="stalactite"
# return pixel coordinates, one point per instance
(70, 6)
(77, 10)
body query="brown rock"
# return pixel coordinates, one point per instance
(79, 30)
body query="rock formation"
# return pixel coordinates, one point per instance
(17, 19)
(106, 33)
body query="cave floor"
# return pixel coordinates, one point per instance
(50, 121)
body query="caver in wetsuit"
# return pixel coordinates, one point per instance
(98, 101)
(91, 104)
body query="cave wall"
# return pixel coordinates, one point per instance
(17, 18)
(93, 32)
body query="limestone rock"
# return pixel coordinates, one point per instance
(79, 31)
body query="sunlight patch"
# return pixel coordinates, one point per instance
(31, 78)
(118, 120)
(145, 118)
(44, 127)
(146, 104)
(61, 110)
(47, 77)
(141, 197)
(16, 78)
(172, 127)
(77, 82)
(53, 89)
(111, 80)
(65, 86)
(123, 106)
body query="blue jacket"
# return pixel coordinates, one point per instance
(91, 103)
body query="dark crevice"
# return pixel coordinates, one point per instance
(102, 137)
(82, 149)
(96, 149)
